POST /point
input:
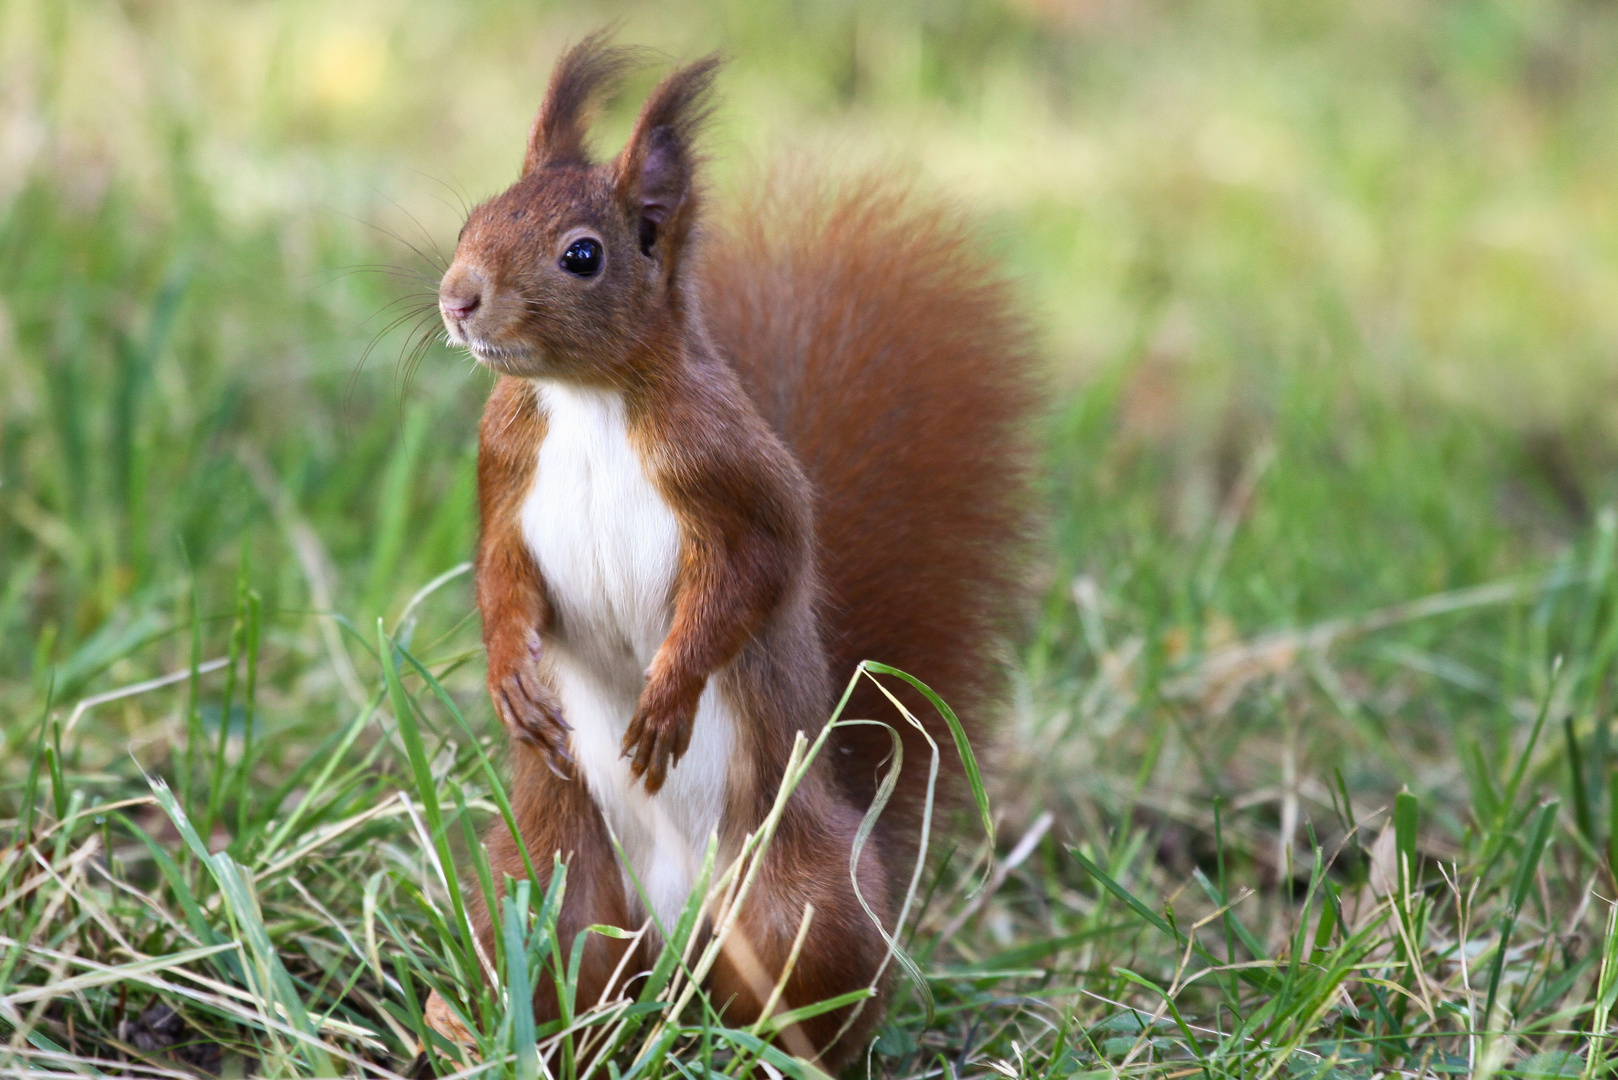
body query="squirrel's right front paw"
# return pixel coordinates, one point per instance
(533, 715)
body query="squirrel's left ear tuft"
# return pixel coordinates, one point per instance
(583, 74)
(657, 169)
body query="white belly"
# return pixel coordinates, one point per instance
(608, 547)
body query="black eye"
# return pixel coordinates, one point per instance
(582, 257)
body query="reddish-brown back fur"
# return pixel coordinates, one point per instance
(882, 345)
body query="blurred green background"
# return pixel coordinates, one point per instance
(1327, 293)
(1327, 302)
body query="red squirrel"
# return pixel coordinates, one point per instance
(719, 468)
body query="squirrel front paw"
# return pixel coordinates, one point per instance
(533, 715)
(661, 728)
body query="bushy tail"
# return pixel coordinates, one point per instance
(884, 347)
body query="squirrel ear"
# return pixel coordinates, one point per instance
(585, 72)
(657, 169)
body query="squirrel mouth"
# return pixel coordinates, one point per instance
(490, 353)
(507, 359)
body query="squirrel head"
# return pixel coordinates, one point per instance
(564, 273)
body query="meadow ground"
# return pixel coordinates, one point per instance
(1308, 764)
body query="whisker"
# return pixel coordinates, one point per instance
(434, 260)
(462, 204)
(401, 273)
(427, 236)
(424, 338)
(404, 317)
(458, 190)
(420, 314)
(420, 304)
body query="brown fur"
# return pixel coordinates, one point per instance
(885, 350)
(563, 123)
(510, 592)
(826, 397)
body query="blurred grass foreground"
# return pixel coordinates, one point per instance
(1309, 767)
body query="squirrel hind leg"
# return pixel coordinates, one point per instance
(840, 950)
(557, 817)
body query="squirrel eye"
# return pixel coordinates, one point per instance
(582, 258)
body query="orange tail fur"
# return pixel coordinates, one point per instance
(884, 347)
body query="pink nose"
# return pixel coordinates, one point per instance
(460, 307)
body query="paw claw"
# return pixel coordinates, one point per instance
(534, 717)
(660, 732)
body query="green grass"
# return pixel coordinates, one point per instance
(1307, 770)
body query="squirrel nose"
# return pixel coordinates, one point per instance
(461, 292)
(460, 307)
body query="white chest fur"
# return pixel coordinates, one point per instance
(608, 547)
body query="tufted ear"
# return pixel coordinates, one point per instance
(657, 169)
(584, 73)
